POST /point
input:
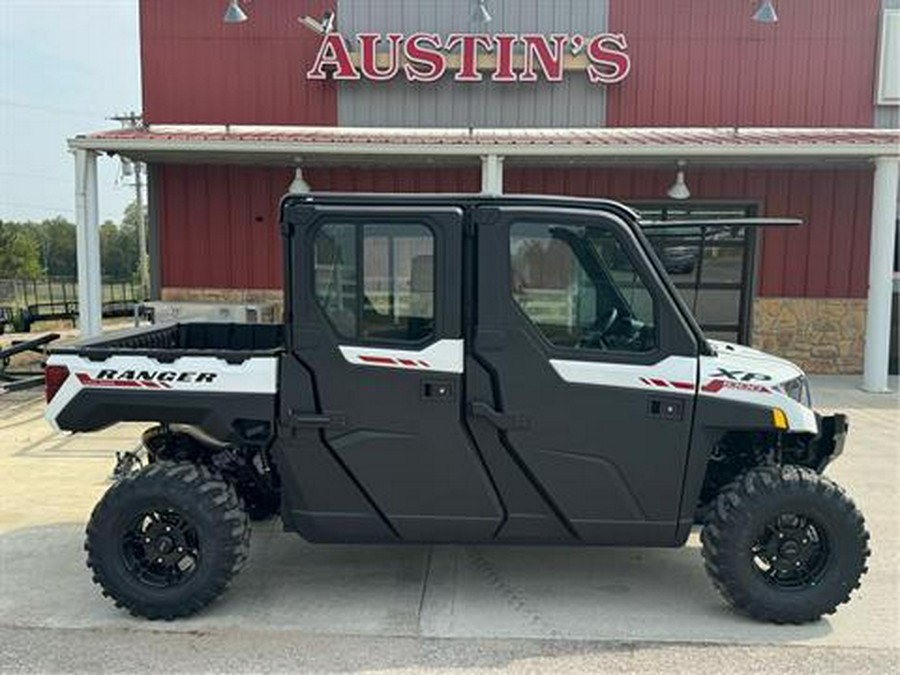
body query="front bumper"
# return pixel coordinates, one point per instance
(829, 443)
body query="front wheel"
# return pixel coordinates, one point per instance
(165, 541)
(785, 544)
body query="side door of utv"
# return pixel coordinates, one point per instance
(380, 450)
(592, 370)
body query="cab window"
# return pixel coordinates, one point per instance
(375, 282)
(580, 288)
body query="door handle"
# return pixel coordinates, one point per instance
(505, 421)
(303, 420)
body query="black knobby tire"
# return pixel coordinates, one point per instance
(208, 520)
(744, 532)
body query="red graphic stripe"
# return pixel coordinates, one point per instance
(665, 384)
(384, 360)
(87, 380)
(716, 385)
(713, 386)
(392, 361)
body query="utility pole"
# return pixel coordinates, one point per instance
(133, 121)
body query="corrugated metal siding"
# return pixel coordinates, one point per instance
(706, 63)
(572, 102)
(198, 70)
(461, 179)
(827, 257)
(218, 225)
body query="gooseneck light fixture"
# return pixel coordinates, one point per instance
(765, 13)
(298, 186)
(481, 12)
(322, 26)
(234, 13)
(679, 189)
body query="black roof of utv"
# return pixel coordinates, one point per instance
(453, 199)
(628, 213)
(462, 199)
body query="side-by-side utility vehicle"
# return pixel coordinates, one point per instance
(462, 369)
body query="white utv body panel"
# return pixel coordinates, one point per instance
(735, 373)
(748, 375)
(256, 375)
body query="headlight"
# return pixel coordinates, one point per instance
(797, 389)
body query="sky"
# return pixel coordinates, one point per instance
(65, 67)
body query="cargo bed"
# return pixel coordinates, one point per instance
(228, 340)
(221, 377)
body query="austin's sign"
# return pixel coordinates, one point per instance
(471, 57)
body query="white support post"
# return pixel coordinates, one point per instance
(87, 235)
(492, 175)
(881, 273)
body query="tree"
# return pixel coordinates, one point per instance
(130, 217)
(118, 251)
(19, 253)
(57, 240)
(32, 250)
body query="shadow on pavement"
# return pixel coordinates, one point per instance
(555, 593)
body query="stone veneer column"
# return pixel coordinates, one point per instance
(821, 335)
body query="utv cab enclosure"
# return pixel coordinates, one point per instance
(462, 369)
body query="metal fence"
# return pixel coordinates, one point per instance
(24, 302)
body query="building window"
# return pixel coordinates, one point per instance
(580, 289)
(375, 283)
(710, 264)
(888, 85)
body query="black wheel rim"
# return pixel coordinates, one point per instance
(161, 548)
(791, 552)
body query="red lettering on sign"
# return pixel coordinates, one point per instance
(537, 48)
(423, 57)
(333, 52)
(503, 53)
(368, 46)
(468, 54)
(609, 62)
(425, 61)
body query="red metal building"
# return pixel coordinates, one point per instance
(210, 88)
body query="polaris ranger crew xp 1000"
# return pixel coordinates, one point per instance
(462, 369)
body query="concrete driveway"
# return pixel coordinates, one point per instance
(424, 608)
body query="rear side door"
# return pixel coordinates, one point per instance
(594, 371)
(377, 322)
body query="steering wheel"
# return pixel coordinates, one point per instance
(594, 336)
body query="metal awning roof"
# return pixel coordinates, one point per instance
(284, 144)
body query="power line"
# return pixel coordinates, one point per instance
(43, 207)
(52, 209)
(13, 174)
(48, 109)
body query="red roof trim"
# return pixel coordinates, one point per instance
(709, 137)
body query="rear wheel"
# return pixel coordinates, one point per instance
(785, 544)
(165, 541)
